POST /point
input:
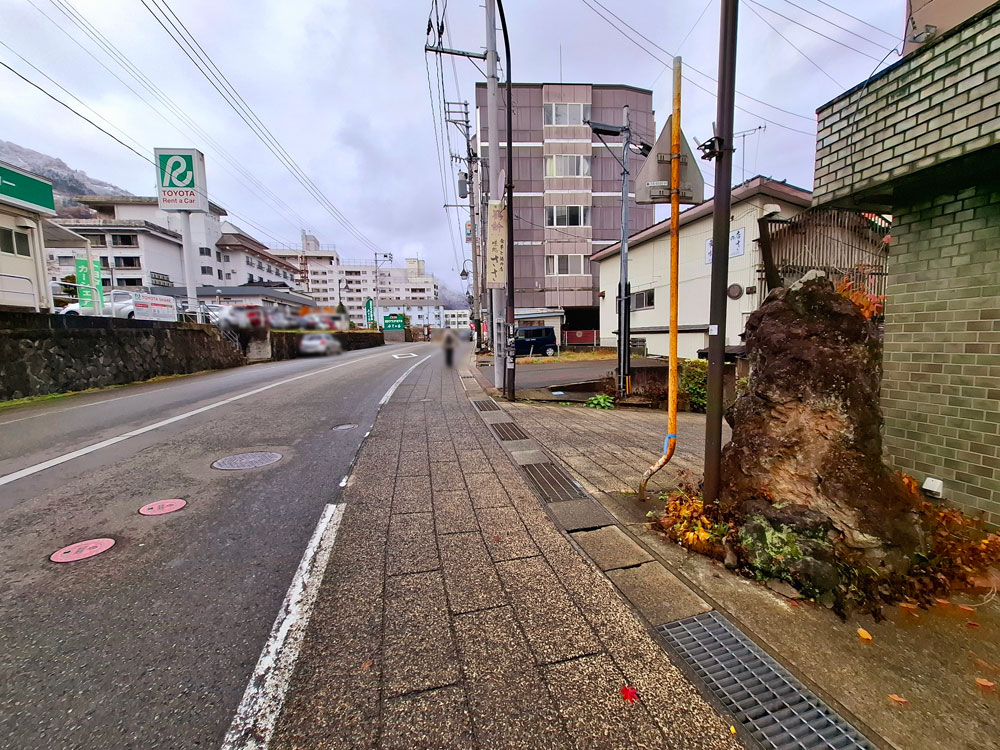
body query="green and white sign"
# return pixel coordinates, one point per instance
(24, 190)
(180, 179)
(85, 277)
(370, 312)
(395, 322)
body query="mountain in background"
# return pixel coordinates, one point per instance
(66, 182)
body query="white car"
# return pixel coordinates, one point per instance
(119, 306)
(319, 343)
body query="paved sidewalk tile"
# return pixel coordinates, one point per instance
(469, 577)
(505, 534)
(428, 721)
(412, 544)
(611, 548)
(453, 512)
(412, 494)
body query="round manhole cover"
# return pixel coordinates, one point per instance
(345, 426)
(161, 506)
(246, 461)
(82, 550)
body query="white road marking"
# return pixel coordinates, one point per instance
(404, 356)
(394, 386)
(264, 696)
(28, 471)
(81, 406)
(343, 482)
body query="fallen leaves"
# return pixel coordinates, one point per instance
(864, 635)
(366, 665)
(972, 624)
(986, 684)
(965, 608)
(629, 694)
(943, 602)
(898, 699)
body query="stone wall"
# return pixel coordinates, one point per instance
(938, 103)
(941, 381)
(285, 344)
(42, 354)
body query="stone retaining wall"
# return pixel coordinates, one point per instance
(42, 353)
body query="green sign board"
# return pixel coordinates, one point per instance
(23, 190)
(370, 312)
(180, 179)
(86, 278)
(395, 322)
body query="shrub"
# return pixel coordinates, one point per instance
(693, 382)
(600, 401)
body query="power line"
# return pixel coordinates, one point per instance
(793, 46)
(894, 37)
(132, 70)
(189, 45)
(820, 33)
(686, 36)
(696, 84)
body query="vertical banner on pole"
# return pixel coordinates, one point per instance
(89, 275)
(496, 246)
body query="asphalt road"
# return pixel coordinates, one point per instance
(151, 644)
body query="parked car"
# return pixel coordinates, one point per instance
(535, 340)
(242, 317)
(315, 322)
(319, 343)
(117, 304)
(280, 319)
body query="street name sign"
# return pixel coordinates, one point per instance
(180, 179)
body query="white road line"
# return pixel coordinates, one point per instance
(81, 406)
(28, 471)
(394, 386)
(264, 697)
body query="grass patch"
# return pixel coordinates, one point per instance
(594, 355)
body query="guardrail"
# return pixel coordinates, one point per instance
(31, 284)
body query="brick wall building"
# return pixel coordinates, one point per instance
(921, 141)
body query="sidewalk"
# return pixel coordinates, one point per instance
(931, 659)
(453, 613)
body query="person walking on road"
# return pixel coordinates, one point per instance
(448, 342)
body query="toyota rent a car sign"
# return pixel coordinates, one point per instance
(180, 179)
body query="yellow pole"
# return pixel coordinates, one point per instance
(670, 444)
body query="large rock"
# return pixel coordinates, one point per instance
(806, 452)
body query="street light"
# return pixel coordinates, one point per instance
(464, 275)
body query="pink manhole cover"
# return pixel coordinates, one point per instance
(82, 550)
(246, 461)
(161, 506)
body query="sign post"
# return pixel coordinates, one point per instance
(181, 187)
(370, 312)
(88, 275)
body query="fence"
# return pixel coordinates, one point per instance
(581, 338)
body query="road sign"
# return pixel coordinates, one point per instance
(180, 179)
(652, 184)
(153, 307)
(468, 231)
(496, 246)
(370, 312)
(24, 190)
(88, 276)
(395, 322)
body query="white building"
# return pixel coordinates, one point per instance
(422, 312)
(457, 318)
(243, 260)
(649, 270)
(314, 268)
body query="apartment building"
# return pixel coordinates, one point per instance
(423, 312)
(567, 188)
(244, 260)
(314, 270)
(457, 318)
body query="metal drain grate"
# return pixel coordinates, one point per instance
(779, 712)
(554, 484)
(509, 431)
(486, 405)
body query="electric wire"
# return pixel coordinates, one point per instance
(191, 48)
(817, 31)
(278, 205)
(894, 37)
(794, 46)
(698, 85)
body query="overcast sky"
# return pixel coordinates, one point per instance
(342, 85)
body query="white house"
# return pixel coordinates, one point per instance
(25, 199)
(649, 270)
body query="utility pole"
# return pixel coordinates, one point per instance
(624, 298)
(721, 149)
(511, 320)
(497, 334)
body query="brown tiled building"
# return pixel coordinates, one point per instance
(567, 188)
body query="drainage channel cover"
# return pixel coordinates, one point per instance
(509, 431)
(779, 712)
(486, 405)
(246, 461)
(554, 484)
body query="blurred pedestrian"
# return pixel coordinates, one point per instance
(448, 342)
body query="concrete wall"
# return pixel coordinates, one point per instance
(939, 103)
(42, 354)
(941, 382)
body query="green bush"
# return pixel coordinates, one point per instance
(600, 401)
(693, 376)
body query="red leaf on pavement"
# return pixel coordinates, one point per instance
(972, 624)
(496, 538)
(966, 609)
(629, 693)
(898, 699)
(985, 684)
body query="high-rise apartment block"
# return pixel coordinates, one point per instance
(567, 188)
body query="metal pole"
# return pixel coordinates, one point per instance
(189, 265)
(510, 349)
(476, 315)
(623, 287)
(720, 247)
(492, 137)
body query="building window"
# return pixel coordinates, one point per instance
(14, 243)
(126, 262)
(97, 240)
(566, 114)
(225, 258)
(564, 265)
(642, 300)
(249, 278)
(229, 276)
(207, 271)
(67, 260)
(125, 240)
(249, 260)
(129, 282)
(269, 269)
(159, 279)
(570, 165)
(567, 216)
(260, 265)
(205, 252)
(219, 272)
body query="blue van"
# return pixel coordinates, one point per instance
(535, 341)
